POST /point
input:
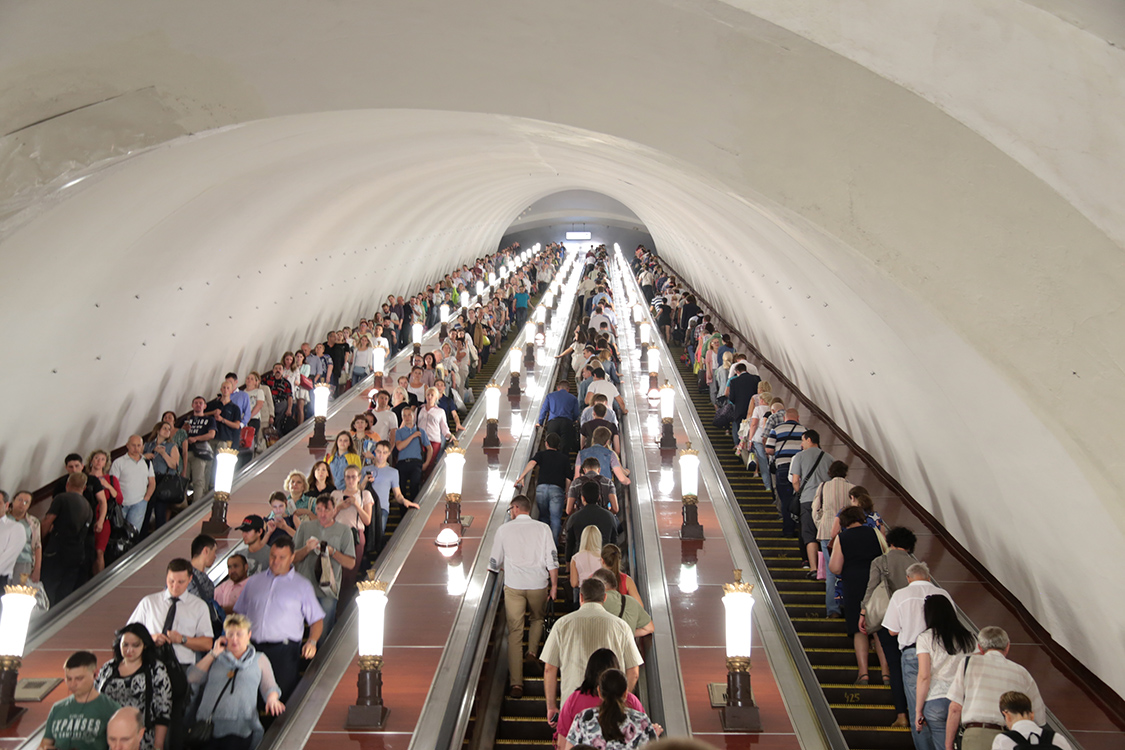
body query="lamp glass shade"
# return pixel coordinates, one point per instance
(371, 605)
(514, 361)
(646, 332)
(739, 607)
(541, 314)
(667, 401)
(652, 355)
(637, 313)
(320, 397)
(380, 364)
(14, 622)
(491, 278)
(444, 312)
(454, 472)
(549, 299)
(528, 332)
(447, 541)
(492, 402)
(689, 578)
(224, 470)
(689, 474)
(466, 299)
(480, 287)
(417, 329)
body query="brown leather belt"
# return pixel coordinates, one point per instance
(981, 725)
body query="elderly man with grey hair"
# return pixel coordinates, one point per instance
(906, 620)
(974, 696)
(125, 729)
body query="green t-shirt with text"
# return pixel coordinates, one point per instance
(80, 726)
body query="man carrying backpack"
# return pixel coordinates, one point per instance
(1023, 733)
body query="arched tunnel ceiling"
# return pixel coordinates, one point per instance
(969, 255)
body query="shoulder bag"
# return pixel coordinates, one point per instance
(202, 731)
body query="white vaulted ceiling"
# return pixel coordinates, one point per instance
(934, 192)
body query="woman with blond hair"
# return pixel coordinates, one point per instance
(301, 504)
(96, 465)
(587, 559)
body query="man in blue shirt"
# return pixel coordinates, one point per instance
(410, 443)
(382, 481)
(559, 413)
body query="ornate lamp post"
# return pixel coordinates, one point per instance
(371, 604)
(740, 714)
(689, 491)
(225, 460)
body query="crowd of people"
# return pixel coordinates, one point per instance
(101, 507)
(945, 682)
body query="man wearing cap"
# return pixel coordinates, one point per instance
(257, 552)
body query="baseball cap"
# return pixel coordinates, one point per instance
(252, 523)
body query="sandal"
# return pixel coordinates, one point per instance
(863, 680)
(886, 679)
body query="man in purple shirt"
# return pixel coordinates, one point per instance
(280, 602)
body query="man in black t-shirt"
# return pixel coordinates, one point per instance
(228, 420)
(590, 514)
(599, 420)
(740, 390)
(66, 528)
(198, 451)
(337, 351)
(552, 482)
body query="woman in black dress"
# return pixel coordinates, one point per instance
(855, 548)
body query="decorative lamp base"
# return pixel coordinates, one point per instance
(740, 714)
(9, 711)
(492, 434)
(653, 384)
(377, 383)
(216, 526)
(318, 442)
(691, 528)
(443, 334)
(514, 391)
(529, 355)
(369, 711)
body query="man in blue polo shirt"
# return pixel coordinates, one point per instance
(411, 444)
(382, 481)
(559, 413)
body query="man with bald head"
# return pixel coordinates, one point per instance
(137, 479)
(783, 443)
(125, 729)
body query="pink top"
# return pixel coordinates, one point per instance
(579, 702)
(585, 562)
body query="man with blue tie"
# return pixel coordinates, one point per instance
(559, 413)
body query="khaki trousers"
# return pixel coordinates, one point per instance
(977, 738)
(516, 603)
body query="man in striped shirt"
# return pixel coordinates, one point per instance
(784, 442)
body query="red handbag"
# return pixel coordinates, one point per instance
(246, 438)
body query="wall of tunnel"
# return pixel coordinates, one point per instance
(943, 277)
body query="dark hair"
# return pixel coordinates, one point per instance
(80, 659)
(591, 493)
(591, 463)
(201, 543)
(231, 376)
(850, 515)
(813, 436)
(942, 619)
(837, 469)
(606, 577)
(240, 556)
(179, 565)
(72, 457)
(282, 541)
(611, 712)
(1012, 701)
(383, 443)
(902, 537)
(553, 440)
(329, 482)
(600, 409)
(148, 655)
(611, 558)
(599, 661)
(592, 590)
(598, 373)
(326, 499)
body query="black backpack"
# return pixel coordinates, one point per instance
(1046, 739)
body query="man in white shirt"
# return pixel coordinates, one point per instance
(137, 479)
(525, 550)
(177, 617)
(601, 385)
(905, 618)
(13, 537)
(386, 421)
(1019, 717)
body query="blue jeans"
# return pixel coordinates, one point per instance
(936, 712)
(830, 583)
(328, 604)
(763, 462)
(135, 514)
(551, 499)
(922, 740)
(358, 374)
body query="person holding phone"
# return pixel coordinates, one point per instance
(323, 551)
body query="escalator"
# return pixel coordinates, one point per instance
(864, 712)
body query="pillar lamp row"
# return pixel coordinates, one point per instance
(371, 605)
(18, 603)
(226, 458)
